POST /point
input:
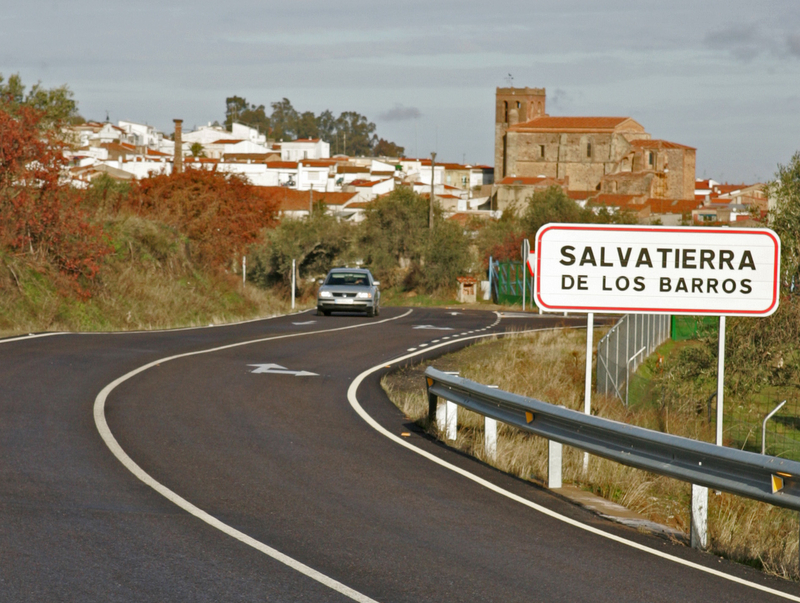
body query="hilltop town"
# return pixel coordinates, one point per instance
(610, 162)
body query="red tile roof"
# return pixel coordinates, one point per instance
(672, 206)
(523, 180)
(282, 165)
(289, 199)
(659, 144)
(576, 124)
(366, 183)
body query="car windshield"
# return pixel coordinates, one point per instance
(355, 279)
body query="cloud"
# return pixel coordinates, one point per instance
(793, 44)
(400, 113)
(744, 41)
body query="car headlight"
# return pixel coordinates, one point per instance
(364, 295)
(325, 294)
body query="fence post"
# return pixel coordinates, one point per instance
(452, 420)
(490, 438)
(554, 454)
(699, 521)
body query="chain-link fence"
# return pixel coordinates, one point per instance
(743, 422)
(632, 339)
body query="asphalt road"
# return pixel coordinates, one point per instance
(269, 486)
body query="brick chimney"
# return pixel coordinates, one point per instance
(177, 165)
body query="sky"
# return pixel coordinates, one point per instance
(720, 76)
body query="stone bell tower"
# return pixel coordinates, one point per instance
(513, 106)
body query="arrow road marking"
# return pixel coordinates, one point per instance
(277, 369)
(433, 328)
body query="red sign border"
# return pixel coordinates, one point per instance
(761, 231)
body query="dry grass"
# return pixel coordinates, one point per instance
(549, 366)
(150, 282)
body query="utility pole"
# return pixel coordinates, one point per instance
(310, 201)
(433, 180)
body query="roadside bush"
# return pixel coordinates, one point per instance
(317, 244)
(501, 239)
(39, 216)
(401, 249)
(220, 214)
(447, 256)
(394, 234)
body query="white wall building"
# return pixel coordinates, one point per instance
(305, 148)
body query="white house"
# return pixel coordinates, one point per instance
(305, 148)
(141, 135)
(371, 189)
(240, 131)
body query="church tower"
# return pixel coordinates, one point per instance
(513, 106)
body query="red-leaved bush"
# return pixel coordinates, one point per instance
(39, 215)
(220, 214)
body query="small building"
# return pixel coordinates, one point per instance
(467, 289)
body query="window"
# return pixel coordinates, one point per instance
(651, 158)
(588, 149)
(541, 151)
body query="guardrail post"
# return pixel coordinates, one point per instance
(490, 438)
(452, 420)
(699, 522)
(433, 403)
(554, 458)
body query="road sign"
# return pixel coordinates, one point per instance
(657, 269)
(277, 369)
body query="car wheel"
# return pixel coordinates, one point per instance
(370, 312)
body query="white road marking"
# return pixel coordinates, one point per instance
(308, 322)
(433, 328)
(277, 369)
(411, 350)
(32, 336)
(353, 399)
(130, 464)
(226, 324)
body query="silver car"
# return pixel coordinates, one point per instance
(349, 290)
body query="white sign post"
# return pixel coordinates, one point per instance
(658, 270)
(526, 251)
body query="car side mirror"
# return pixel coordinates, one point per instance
(376, 283)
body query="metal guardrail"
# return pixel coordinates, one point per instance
(766, 478)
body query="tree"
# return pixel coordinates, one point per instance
(552, 205)
(40, 216)
(358, 132)
(306, 126)
(56, 106)
(197, 150)
(283, 120)
(238, 110)
(384, 148)
(784, 219)
(326, 127)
